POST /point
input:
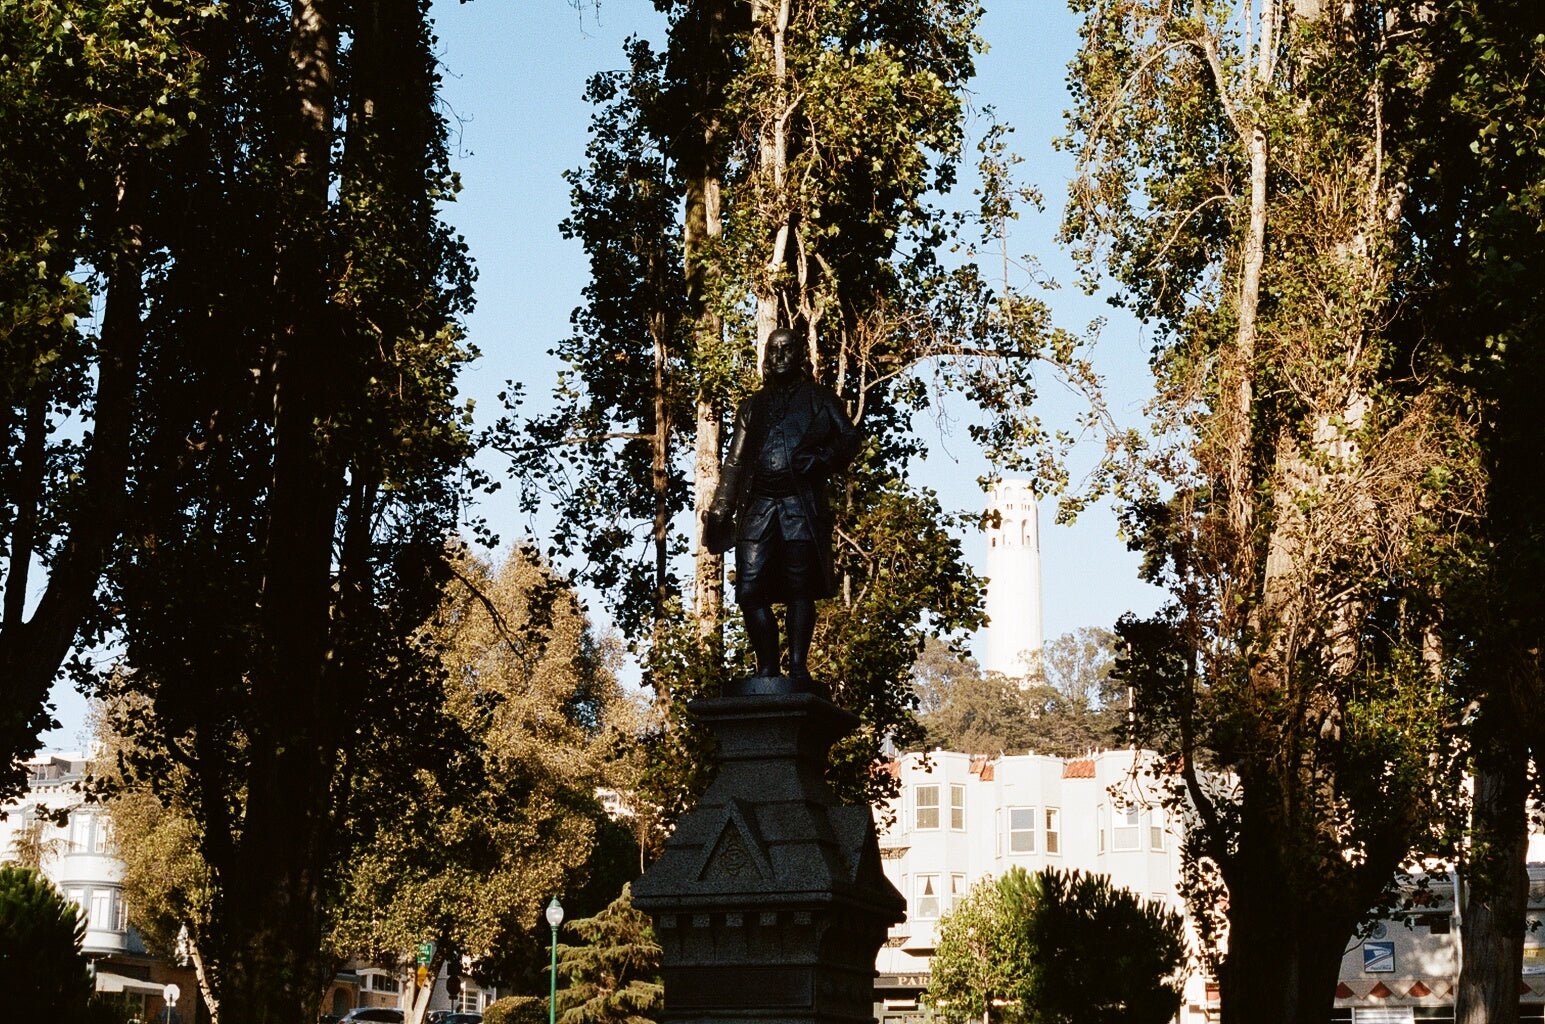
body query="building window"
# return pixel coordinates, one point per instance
(1021, 829)
(77, 897)
(1156, 828)
(101, 916)
(375, 982)
(927, 896)
(958, 808)
(927, 807)
(1053, 830)
(957, 890)
(1384, 1015)
(98, 834)
(1128, 822)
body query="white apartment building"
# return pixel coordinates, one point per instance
(960, 819)
(79, 858)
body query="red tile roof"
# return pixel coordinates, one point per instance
(1083, 768)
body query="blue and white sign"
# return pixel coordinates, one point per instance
(1378, 958)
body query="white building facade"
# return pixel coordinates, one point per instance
(961, 819)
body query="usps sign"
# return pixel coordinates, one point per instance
(1378, 958)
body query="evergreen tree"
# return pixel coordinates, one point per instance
(40, 946)
(1101, 954)
(614, 978)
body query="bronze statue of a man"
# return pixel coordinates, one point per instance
(789, 437)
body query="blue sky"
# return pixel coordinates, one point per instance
(515, 72)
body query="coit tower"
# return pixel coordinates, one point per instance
(1013, 635)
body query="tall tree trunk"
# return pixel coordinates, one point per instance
(770, 23)
(271, 969)
(704, 48)
(1283, 963)
(1495, 880)
(1290, 913)
(659, 469)
(703, 227)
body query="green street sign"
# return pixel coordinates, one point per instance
(426, 952)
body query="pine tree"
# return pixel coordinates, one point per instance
(614, 978)
(40, 946)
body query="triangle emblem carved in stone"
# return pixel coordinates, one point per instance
(736, 855)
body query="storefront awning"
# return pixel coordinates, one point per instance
(109, 982)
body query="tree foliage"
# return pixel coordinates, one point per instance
(1244, 179)
(778, 164)
(461, 840)
(468, 858)
(33, 842)
(1477, 209)
(1079, 666)
(294, 446)
(94, 96)
(964, 708)
(980, 953)
(1058, 947)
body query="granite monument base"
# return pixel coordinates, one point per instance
(769, 900)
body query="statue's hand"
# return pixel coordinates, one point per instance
(718, 515)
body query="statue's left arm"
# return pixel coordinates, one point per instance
(835, 441)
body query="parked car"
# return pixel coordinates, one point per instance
(462, 1018)
(372, 1015)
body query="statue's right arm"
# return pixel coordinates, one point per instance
(729, 473)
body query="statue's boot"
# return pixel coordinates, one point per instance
(762, 630)
(801, 627)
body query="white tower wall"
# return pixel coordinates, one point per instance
(1013, 635)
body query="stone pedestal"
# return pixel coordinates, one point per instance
(769, 899)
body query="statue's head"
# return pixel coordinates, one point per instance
(784, 357)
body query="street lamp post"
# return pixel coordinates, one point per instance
(554, 918)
